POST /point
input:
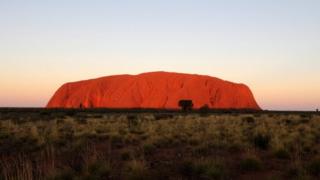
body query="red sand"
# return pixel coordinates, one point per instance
(153, 90)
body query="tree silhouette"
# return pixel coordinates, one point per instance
(204, 109)
(186, 104)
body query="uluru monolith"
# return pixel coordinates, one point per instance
(159, 90)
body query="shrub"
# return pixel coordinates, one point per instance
(60, 121)
(137, 170)
(45, 113)
(98, 116)
(203, 170)
(193, 141)
(162, 116)
(282, 154)
(186, 104)
(148, 149)
(305, 121)
(305, 116)
(288, 121)
(314, 167)
(203, 150)
(186, 168)
(134, 124)
(257, 115)
(262, 141)
(271, 115)
(116, 140)
(250, 164)
(4, 135)
(248, 119)
(163, 142)
(295, 172)
(81, 120)
(70, 113)
(215, 171)
(99, 170)
(204, 110)
(126, 155)
(132, 117)
(66, 174)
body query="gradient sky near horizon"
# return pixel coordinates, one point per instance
(272, 46)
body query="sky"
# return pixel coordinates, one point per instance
(271, 46)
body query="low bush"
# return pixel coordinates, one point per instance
(249, 119)
(162, 116)
(282, 154)
(149, 149)
(296, 172)
(126, 155)
(137, 170)
(117, 140)
(250, 164)
(99, 170)
(262, 141)
(65, 174)
(314, 167)
(203, 170)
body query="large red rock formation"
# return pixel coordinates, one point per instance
(153, 90)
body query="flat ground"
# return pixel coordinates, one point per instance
(105, 144)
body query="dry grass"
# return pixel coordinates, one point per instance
(141, 146)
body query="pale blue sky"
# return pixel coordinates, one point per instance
(272, 46)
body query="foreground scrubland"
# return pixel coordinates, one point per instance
(97, 145)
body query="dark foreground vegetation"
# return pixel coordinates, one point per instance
(105, 144)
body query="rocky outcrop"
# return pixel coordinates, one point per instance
(153, 90)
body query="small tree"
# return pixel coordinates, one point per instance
(186, 104)
(204, 109)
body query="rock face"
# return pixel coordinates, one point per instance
(153, 90)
